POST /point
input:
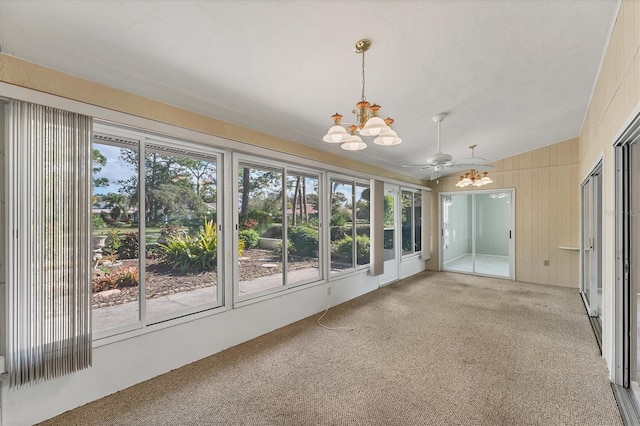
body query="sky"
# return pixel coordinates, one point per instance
(115, 169)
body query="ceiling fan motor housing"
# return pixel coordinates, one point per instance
(439, 158)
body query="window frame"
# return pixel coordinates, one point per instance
(167, 145)
(414, 220)
(354, 182)
(286, 168)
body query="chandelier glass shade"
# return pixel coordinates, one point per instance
(367, 121)
(475, 178)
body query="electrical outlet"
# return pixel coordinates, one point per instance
(328, 291)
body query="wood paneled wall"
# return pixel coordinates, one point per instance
(547, 192)
(615, 101)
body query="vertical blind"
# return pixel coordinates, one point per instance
(48, 274)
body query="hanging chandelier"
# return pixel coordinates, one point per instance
(367, 121)
(474, 177)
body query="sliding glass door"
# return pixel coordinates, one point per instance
(591, 250)
(476, 233)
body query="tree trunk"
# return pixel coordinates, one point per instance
(295, 202)
(303, 197)
(244, 206)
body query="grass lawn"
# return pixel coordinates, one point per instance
(151, 232)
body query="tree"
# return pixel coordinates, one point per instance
(203, 172)
(172, 184)
(178, 201)
(117, 203)
(260, 189)
(99, 161)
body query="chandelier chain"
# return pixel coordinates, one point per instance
(363, 98)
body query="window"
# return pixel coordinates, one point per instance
(279, 247)
(411, 221)
(161, 231)
(350, 224)
(181, 232)
(303, 236)
(261, 243)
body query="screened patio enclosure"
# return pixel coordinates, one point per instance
(477, 232)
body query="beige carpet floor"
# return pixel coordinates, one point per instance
(435, 349)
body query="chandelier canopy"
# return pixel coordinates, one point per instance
(367, 121)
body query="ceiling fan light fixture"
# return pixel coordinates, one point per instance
(367, 121)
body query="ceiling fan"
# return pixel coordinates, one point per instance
(441, 163)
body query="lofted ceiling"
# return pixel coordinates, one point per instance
(512, 75)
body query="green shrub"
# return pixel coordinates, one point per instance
(305, 240)
(338, 219)
(112, 243)
(339, 232)
(363, 249)
(277, 247)
(343, 249)
(273, 231)
(192, 253)
(97, 222)
(129, 246)
(258, 220)
(250, 238)
(363, 229)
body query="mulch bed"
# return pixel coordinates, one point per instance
(161, 280)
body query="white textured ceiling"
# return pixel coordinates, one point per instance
(513, 75)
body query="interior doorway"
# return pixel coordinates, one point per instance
(477, 232)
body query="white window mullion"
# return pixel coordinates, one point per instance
(142, 221)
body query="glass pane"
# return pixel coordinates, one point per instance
(407, 222)
(341, 229)
(586, 240)
(115, 223)
(303, 242)
(417, 227)
(181, 241)
(456, 229)
(389, 228)
(363, 224)
(260, 217)
(493, 219)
